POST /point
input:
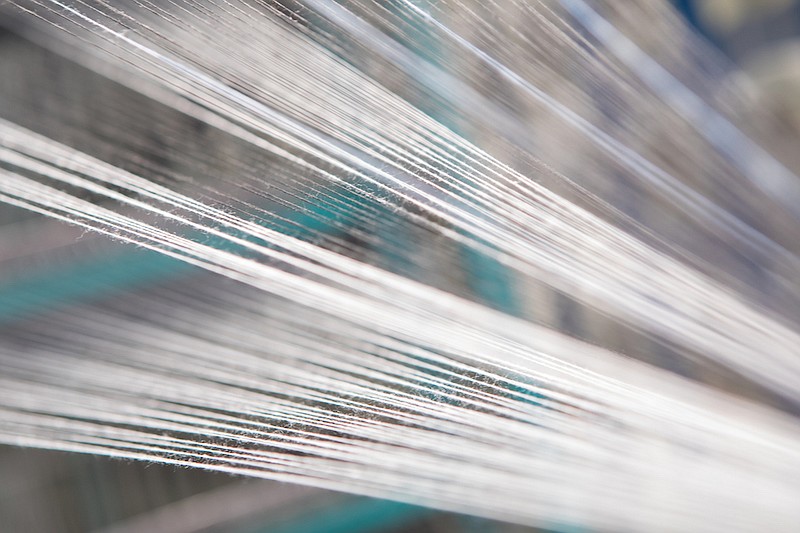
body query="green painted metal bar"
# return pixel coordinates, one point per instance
(355, 515)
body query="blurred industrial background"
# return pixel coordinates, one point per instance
(44, 264)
